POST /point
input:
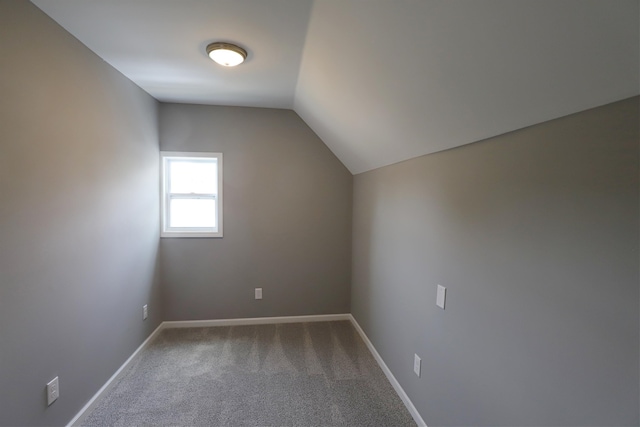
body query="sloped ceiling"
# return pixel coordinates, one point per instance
(380, 81)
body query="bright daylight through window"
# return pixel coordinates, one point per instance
(191, 194)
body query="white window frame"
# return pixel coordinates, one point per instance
(165, 196)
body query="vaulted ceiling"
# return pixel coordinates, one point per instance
(380, 81)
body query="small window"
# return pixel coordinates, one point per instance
(191, 194)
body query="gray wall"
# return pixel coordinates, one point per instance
(78, 218)
(535, 235)
(287, 219)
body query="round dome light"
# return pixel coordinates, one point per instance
(226, 54)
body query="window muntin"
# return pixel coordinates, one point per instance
(191, 194)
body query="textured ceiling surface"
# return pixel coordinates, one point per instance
(380, 81)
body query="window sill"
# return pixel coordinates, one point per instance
(189, 235)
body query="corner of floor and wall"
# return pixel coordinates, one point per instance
(534, 234)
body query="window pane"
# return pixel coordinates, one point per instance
(192, 213)
(193, 176)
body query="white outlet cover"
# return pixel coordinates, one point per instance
(258, 293)
(145, 312)
(441, 296)
(417, 364)
(53, 391)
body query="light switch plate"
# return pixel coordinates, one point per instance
(258, 293)
(441, 296)
(417, 362)
(53, 391)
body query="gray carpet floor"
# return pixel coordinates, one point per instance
(296, 374)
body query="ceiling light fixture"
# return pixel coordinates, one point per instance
(226, 54)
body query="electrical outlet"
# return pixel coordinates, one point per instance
(417, 364)
(258, 293)
(145, 312)
(53, 391)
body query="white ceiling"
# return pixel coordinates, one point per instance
(380, 81)
(161, 45)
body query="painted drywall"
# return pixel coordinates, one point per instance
(178, 32)
(78, 218)
(535, 236)
(287, 219)
(428, 75)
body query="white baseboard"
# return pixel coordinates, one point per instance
(396, 385)
(255, 321)
(90, 404)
